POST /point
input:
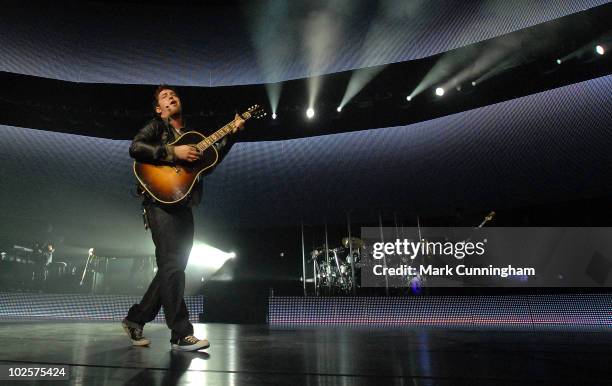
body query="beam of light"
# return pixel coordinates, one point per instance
(567, 57)
(274, 91)
(274, 41)
(497, 57)
(485, 61)
(321, 36)
(582, 52)
(478, 64)
(379, 46)
(359, 79)
(310, 113)
(408, 98)
(223, 274)
(339, 109)
(205, 256)
(586, 51)
(448, 64)
(313, 85)
(498, 69)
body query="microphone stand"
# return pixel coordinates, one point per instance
(89, 258)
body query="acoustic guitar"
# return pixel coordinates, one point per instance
(170, 183)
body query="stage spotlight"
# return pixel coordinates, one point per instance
(206, 256)
(310, 113)
(473, 83)
(273, 115)
(600, 50)
(408, 98)
(439, 91)
(558, 61)
(339, 109)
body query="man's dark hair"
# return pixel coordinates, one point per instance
(158, 90)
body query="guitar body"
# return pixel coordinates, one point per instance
(171, 183)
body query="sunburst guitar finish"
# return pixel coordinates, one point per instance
(169, 183)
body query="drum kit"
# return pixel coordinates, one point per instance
(339, 271)
(336, 270)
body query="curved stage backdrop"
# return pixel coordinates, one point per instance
(270, 41)
(525, 151)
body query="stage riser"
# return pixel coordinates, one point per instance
(529, 311)
(80, 307)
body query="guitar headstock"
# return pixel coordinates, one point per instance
(255, 111)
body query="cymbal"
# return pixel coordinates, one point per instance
(354, 242)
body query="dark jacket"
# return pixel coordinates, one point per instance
(152, 144)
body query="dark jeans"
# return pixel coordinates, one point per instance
(172, 231)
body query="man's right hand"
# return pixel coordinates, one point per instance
(186, 153)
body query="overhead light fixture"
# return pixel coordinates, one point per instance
(310, 113)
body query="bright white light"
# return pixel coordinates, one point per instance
(339, 109)
(439, 91)
(205, 256)
(273, 115)
(310, 112)
(473, 83)
(558, 61)
(600, 50)
(408, 98)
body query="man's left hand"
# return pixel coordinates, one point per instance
(238, 124)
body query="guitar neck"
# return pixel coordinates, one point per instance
(219, 134)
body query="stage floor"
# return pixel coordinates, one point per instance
(99, 353)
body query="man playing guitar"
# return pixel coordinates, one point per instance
(172, 227)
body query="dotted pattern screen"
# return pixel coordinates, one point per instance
(81, 306)
(98, 42)
(530, 311)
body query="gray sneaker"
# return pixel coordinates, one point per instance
(190, 343)
(135, 334)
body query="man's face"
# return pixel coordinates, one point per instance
(168, 104)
